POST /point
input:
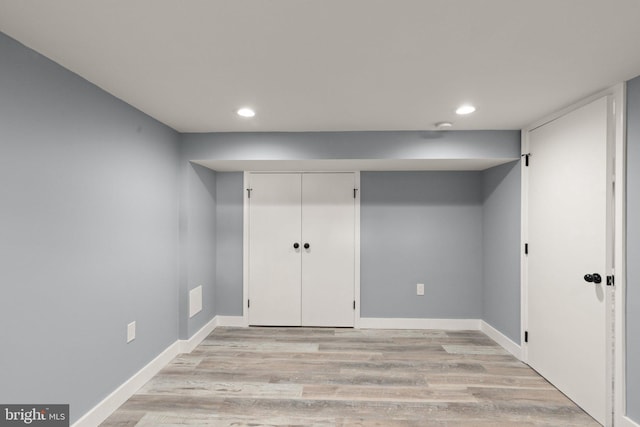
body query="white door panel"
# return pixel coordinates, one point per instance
(328, 226)
(274, 264)
(567, 219)
(310, 287)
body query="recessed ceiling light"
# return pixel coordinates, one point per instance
(246, 112)
(443, 125)
(465, 109)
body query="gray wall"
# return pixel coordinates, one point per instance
(88, 235)
(501, 248)
(633, 249)
(229, 224)
(421, 227)
(201, 247)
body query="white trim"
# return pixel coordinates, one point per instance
(620, 254)
(233, 321)
(500, 338)
(187, 346)
(109, 404)
(411, 323)
(113, 401)
(524, 233)
(624, 421)
(245, 248)
(356, 279)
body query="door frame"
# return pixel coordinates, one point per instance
(616, 232)
(245, 242)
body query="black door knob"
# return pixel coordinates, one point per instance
(588, 278)
(307, 246)
(597, 278)
(296, 245)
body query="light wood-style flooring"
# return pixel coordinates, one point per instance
(347, 377)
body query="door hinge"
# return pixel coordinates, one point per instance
(355, 191)
(249, 190)
(611, 280)
(248, 303)
(526, 249)
(526, 158)
(354, 304)
(526, 336)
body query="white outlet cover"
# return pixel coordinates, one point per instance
(131, 331)
(420, 289)
(195, 301)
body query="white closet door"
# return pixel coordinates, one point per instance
(274, 263)
(328, 227)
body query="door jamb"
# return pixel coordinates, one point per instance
(246, 188)
(620, 259)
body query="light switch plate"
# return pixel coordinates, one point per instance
(420, 289)
(131, 331)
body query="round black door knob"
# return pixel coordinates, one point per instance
(597, 278)
(307, 246)
(588, 278)
(296, 245)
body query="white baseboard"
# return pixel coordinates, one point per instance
(446, 324)
(235, 321)
(501, 339)
(109, 404)
(187, 346)
(625, 421)
(409, 323)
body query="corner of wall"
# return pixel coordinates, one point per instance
(199, 245)
(501, 219)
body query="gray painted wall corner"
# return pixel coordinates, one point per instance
(501, 225)
(229, 242)
(201, 244)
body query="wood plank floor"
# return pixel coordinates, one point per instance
(347, 377)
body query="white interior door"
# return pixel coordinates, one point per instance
(328, 264)
(274, 263)
(567, 236)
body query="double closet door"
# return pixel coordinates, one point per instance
(301, 249)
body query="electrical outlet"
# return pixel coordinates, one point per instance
(131, 332)
(420, 289)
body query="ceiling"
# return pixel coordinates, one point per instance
(337, 65)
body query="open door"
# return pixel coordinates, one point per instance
(568, 261)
